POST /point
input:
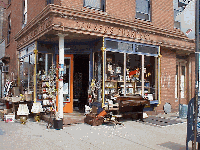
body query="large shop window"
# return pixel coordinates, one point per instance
(128, 70)
(97, 74)
(45, 61)
(143, 9)
(27, 73)
(96, 4)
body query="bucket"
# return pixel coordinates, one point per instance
(58, 124)
(183, 109)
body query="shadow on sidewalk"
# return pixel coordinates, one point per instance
(175, 146)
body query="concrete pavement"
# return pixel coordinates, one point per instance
(133, 135)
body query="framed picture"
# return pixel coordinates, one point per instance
(109, 67)
(118, 69)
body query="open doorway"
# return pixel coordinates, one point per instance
(81, 81)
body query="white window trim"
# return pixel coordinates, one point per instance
(24, 14)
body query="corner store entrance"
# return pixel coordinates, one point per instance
(81, 81)
(75, 82)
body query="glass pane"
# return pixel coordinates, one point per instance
(41, 64)
(93, 3)
(66, 80)
(182, 86)
(25, 73)
(31, 72)
(133, 74)
(114, 75)
(149, 77)
(142, 6)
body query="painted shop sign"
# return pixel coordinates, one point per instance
(128, 32)
(40, 28)
(102, 29)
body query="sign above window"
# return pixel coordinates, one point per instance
(130, 47)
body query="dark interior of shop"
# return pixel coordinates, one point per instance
(81, 80)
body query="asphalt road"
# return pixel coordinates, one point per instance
(133, 135)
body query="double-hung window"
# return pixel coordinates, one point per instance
(9, 30)
(49, 2)
(24, 21)
(143, 9)
(96, 4)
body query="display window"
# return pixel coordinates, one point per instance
(44, 61)
(96, 88)
(27, 73)
(114, 75)
(127, 75)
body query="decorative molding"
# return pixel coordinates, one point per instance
(70, 20)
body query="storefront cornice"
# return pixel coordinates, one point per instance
(96, 33)
(137, 24)
(70, 20)
(45, 12)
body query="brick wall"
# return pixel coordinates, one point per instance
(163, 14)
(121, 9)
(15, 11)
(76, 4)
(34, 8)
(168, 72)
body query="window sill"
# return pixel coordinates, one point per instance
(8, 6)
(93, 10)
(143, 19)
(7, 45)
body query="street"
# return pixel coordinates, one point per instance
(131, 135)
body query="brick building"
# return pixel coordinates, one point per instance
(105, 40)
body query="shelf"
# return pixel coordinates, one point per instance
(111, 87)
(113, 81)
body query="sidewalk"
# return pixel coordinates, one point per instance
(78, 117)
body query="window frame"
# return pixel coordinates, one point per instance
(103, 6)
(149, 11)
(9, 2)
(9, 29)
(49, 2)
(24, 13)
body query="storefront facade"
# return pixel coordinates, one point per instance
(124, 58)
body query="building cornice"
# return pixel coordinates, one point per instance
(48, 19)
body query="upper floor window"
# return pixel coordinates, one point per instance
(143, 9)
(49, 2)
(9, 30)
(24, 21)
(96, 4)
(9, 2)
